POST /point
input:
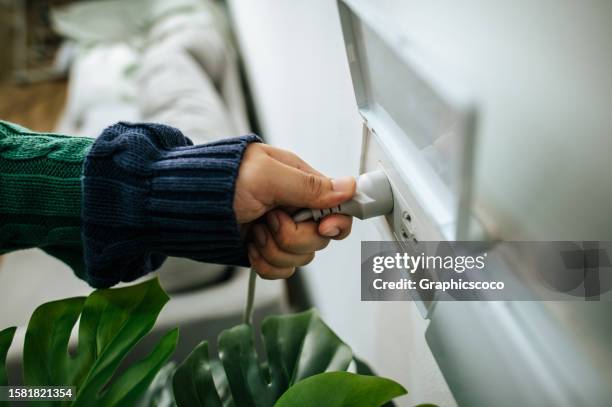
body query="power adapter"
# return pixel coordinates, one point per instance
(373, 197)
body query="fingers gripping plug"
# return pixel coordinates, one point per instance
(373, 197)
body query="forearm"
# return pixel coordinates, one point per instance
(114, 207)
(150, 193)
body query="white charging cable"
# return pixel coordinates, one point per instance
(373, 197)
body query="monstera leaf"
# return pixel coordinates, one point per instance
(112, 322)
(159, 393)
(341, 389)
(298, 346)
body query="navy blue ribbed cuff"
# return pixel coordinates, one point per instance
(148, 193)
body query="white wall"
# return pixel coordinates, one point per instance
(541, 71)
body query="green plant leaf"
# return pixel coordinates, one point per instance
(362, 368)
(193, 380)
(297, 346)
(112, 322)
(341, 389)
(6, 338)
(128, 388)
(159, 393)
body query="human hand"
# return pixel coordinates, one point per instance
(272, 182)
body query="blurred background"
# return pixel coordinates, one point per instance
(541, 72)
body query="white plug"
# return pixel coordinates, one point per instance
(372, 198)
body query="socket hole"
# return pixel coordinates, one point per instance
(407, 216)
(404, 234)
(415, 240)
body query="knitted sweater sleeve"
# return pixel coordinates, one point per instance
(149, 193)
(114, 207)
(40, 192)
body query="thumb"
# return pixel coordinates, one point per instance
(294, 187)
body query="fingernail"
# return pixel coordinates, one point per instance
(344, 184)
(331, 232)
(273, 222)
(253, 251)
(260, 236)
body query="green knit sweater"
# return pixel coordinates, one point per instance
(40, 192)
